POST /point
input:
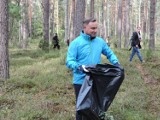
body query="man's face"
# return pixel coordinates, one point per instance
(91, 29)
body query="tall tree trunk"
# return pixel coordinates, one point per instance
(80, 13)
(72, 21)
(152, 24)
(24, 25)
(66, 21)
(126, 22)
(45, 5)
(123, 18)
(52, 19)
(102, 19)
(119, 23)
(57, 15)
(105, 19)
(30, 17)
(145, 19)
(92, 8)
(115, 23)
(4, 57)
(139, 13)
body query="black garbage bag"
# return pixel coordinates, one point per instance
(98, 90)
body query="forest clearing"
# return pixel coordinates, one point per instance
(41, 88)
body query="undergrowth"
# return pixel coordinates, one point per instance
(40, 87)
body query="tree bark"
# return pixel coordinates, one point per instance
(45, 5)
(66, 21)
(119, 23)
(72, 34)
(152, 24)
(52, 19)
(145, 3)
(30, 17)
(92, 8)
(24, 25)
(4, 57)
(80, 13)
(126, 22)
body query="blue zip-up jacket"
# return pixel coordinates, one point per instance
(84, 51)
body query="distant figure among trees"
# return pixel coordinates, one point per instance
(108, 41)
(135, 44)
(68, 42)
(55, 42)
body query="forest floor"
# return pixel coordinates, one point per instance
(40, 87)
(154, 86)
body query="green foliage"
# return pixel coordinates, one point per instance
(40, 87)
(26, 54)
(14, 11)
(38, 28)
(145, 43)
(44, 45)
(149, 54)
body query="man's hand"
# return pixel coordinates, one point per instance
(82, 68)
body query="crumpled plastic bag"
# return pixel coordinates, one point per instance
(98, 90)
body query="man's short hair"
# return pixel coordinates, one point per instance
(87, 21)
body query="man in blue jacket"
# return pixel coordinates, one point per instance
(85, 50)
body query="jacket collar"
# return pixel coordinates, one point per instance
(85, 36)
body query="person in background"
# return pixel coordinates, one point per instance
(86, 50)
(135, 44)
(67, 42)
(55, 42)
(108, 41)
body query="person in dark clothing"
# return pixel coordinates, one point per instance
(68, 42)
(135, 44)
(55, 42)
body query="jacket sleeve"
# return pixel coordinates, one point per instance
(71, 61)
(109, 54)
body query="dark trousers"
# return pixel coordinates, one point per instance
(56, 46)
(77, 89)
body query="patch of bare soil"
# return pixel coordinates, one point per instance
(153, 84)
(148, 78)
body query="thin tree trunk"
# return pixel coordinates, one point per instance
(102, 19)
(145, 19)
(30, 17)
(126, 22)
(66, 21)
(57, 15)
(4, 56)
(105, 20)
(80, 13)
(73, 21)
(116, 15)
(139, 22)
(152, 24)
(92, 8)
(45, 5)
(52, 18)
(119, 23)
(24, 25)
